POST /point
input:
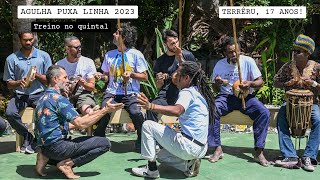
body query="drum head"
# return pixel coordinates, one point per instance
(300, 92)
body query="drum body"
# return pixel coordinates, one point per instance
(298, 111)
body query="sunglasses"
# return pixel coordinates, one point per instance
(76, 47)
(297, 51)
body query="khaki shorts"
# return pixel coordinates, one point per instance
(85, 98)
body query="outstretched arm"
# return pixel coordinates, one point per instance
(90, 119)
(175, 110)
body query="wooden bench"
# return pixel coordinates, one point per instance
(236, 117)
(27, 117)
(122, 116)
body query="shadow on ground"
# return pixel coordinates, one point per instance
(123, 146)
(7, 147)
(27, 171)
(247, 153)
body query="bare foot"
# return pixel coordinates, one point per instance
(67, 170)
(259, 157)
(41, 163)
(217, 155)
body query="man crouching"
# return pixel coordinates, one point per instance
(54, 112)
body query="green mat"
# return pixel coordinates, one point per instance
(116, 165)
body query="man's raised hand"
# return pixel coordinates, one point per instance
(143, 101)
(113, 107)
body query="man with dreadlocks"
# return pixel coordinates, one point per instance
(194, 107)
(224, 75)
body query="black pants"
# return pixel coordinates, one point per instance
(130, 105)
(81, 150)
(153, 116)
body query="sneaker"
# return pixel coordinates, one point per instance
(193, 168)
(29, 149)
(23, 149)
(288, 161)
(307, 164)
(25, 144)
(145, 172)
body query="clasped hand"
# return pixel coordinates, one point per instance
(220, 81)
(23, 81)
(161, 76)
(126, 76)
(245, 85)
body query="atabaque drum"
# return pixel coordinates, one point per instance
(298, 110)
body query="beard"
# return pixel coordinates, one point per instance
(171, 49)
(26, 47)
(233, 60)
(64, 88)
(76, 55)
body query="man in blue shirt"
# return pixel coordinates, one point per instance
(16, 69)
(54, 112)
(195, 109)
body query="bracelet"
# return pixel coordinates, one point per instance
(314, 84)
(150, 106)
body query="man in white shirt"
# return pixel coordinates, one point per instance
(224, 75)
(80, 71)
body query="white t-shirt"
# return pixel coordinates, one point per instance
(84, 67)
(195, 120)
(249, 72)
(134, 62)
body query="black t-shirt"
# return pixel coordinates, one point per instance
(168, 64)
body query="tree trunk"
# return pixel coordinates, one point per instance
(20, 24)
(186, 18)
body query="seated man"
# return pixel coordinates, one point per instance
(135, 71)
(164, 69)
(16, 69)
(224, 75)
(300, 73)
(81, 70)
(181, 150)
(53, 114)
